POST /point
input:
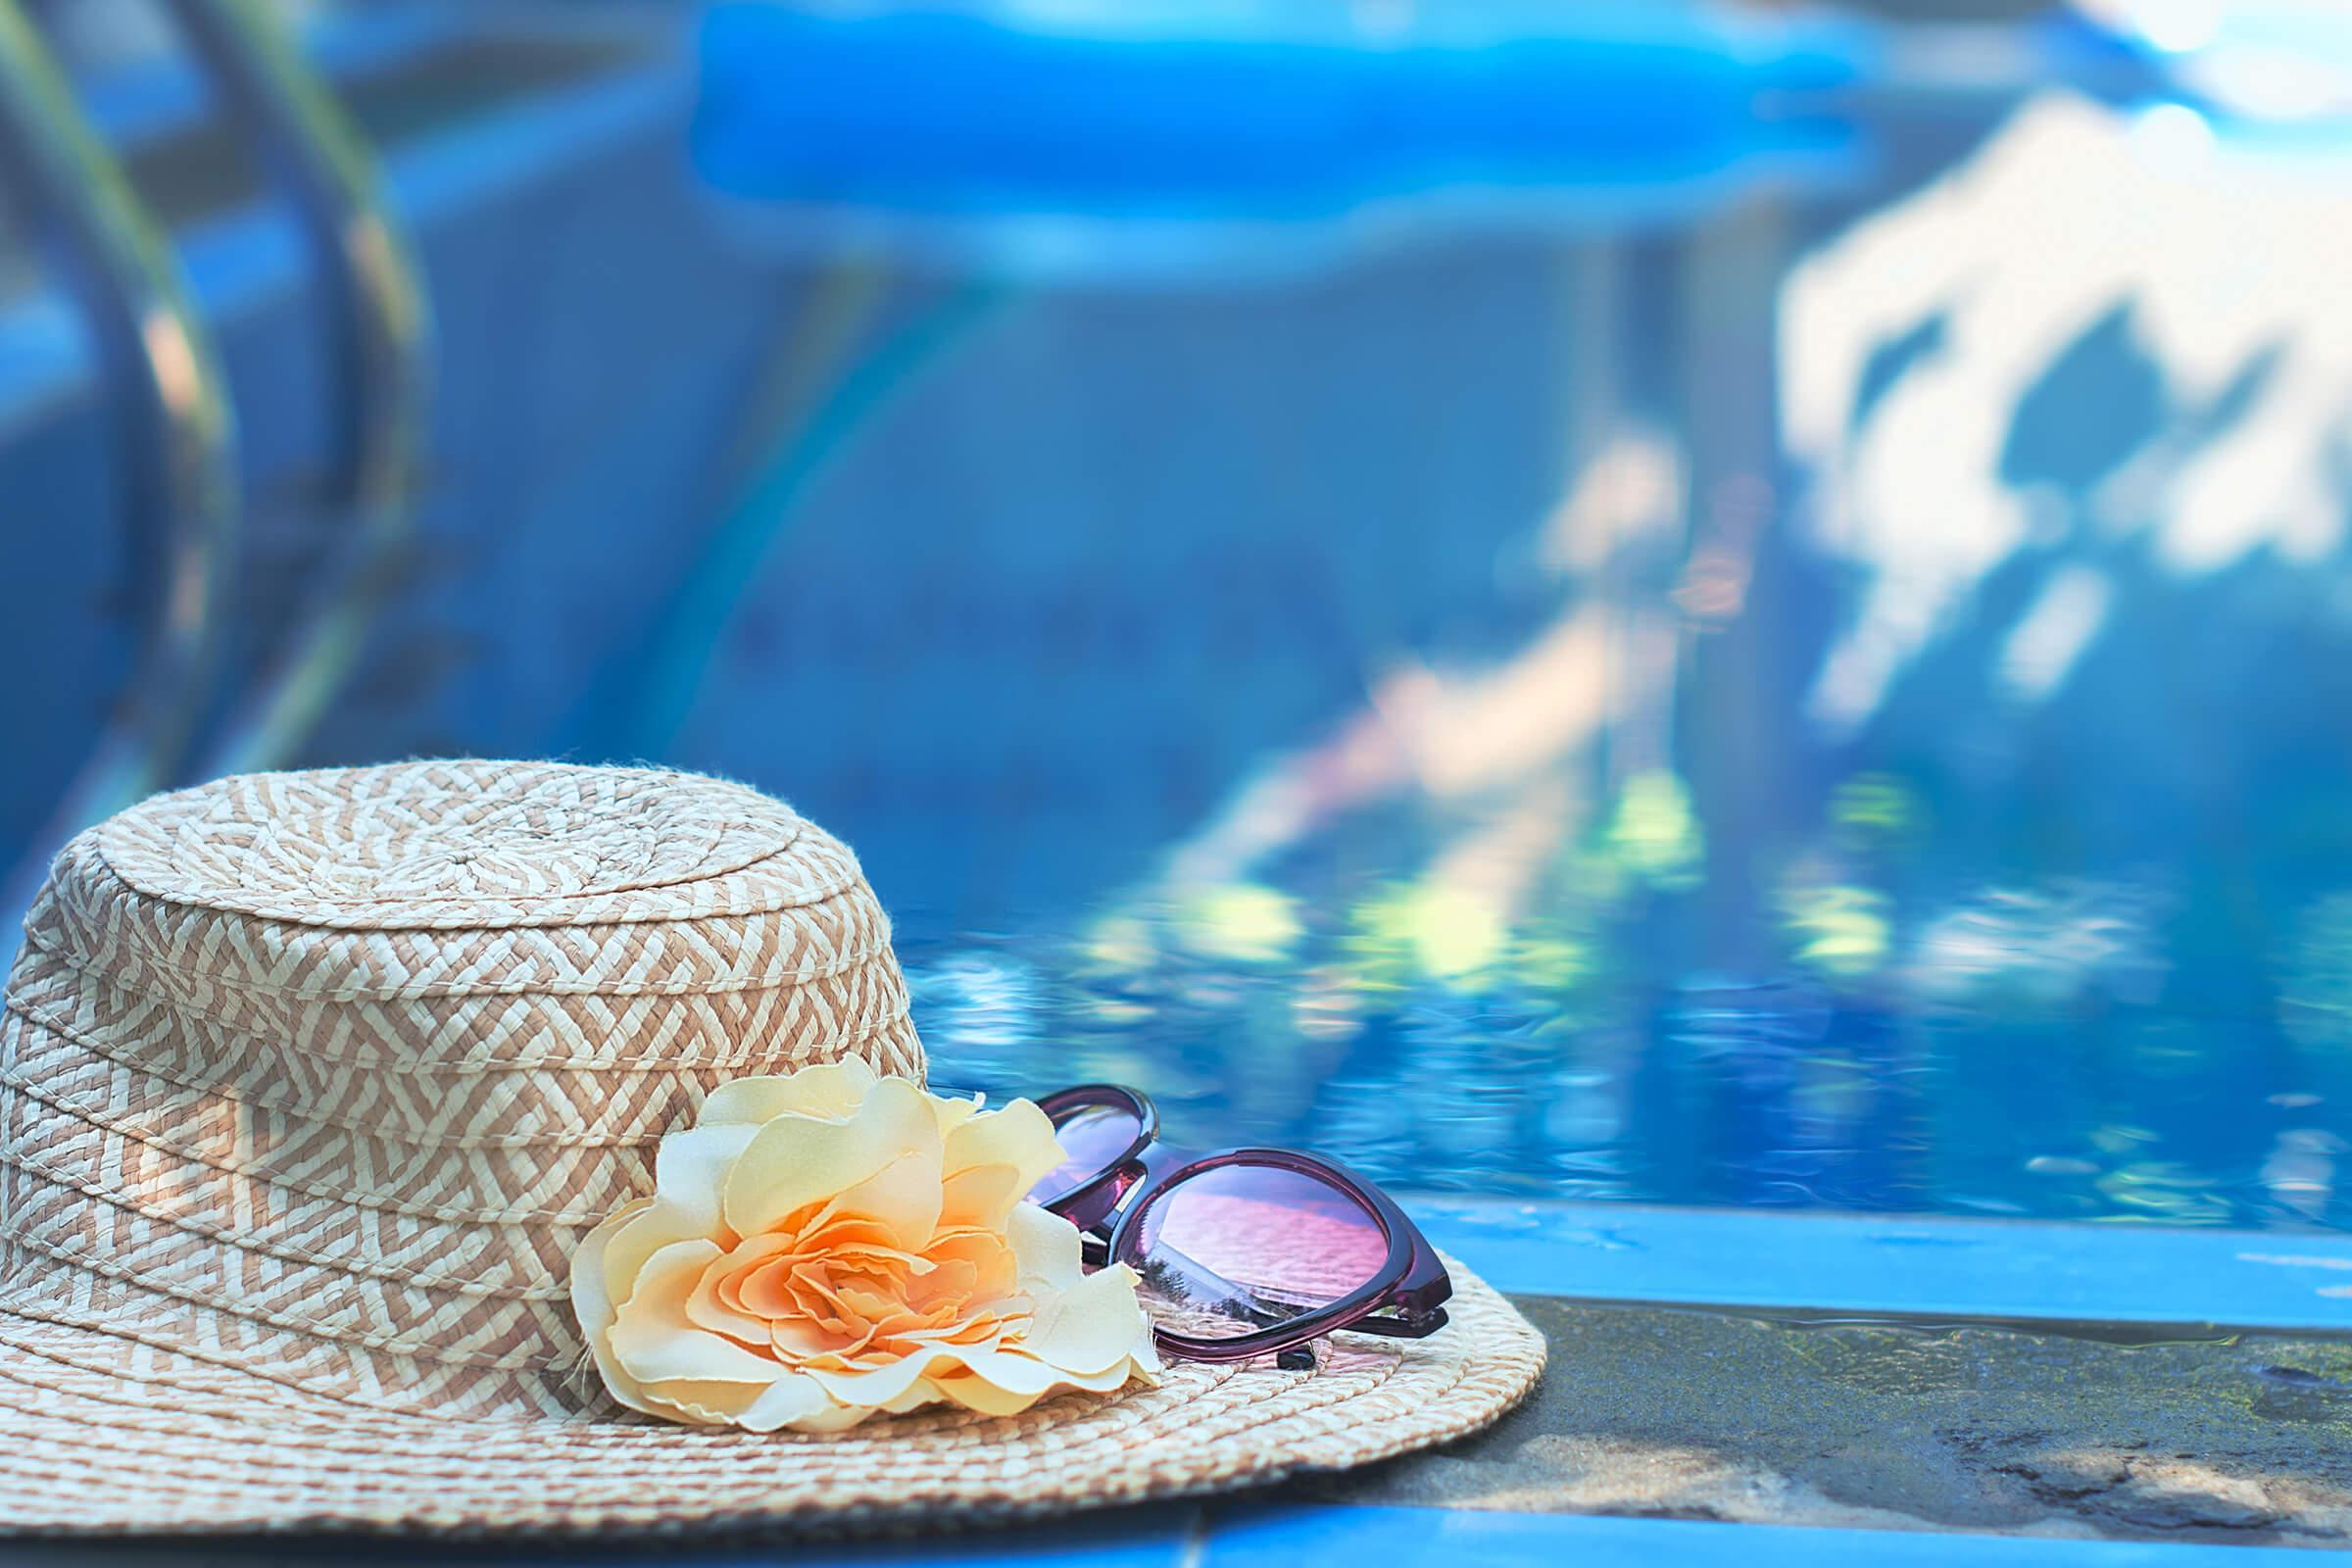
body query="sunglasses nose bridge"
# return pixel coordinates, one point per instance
(1102, 1198)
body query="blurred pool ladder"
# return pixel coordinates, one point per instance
(160, 367)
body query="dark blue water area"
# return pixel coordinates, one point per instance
(1740, 705)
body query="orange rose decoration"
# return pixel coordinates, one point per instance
(826, 1244)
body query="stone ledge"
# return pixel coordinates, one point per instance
(1683, 1413)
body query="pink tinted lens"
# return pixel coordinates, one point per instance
(1093, 1137)
(1239, 1248)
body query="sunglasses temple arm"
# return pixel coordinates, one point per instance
(1418, 1326)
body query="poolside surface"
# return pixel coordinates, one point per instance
(2077, 1432)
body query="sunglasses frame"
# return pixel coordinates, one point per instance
(1108, 1208)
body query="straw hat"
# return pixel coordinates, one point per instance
(310, 1083)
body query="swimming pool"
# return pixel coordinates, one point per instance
(1816, 686)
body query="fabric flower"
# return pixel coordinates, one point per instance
(829, 1243)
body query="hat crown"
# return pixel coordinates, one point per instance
(459, 845)
(330, 1070)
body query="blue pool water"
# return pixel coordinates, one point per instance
(1834, 701)
(1827, 684)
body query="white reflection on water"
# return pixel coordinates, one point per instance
(2043, 948)
(2300, 1171)
(2279, 59)
(2228, 264)
(2051, 635)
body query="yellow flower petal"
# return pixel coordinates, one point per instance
(592, 1303)
(654, 1340)
(952, 1113)
(980, 1197)
(590, 1300)
(994, 1391)
(903, 1199)
(977, 1394)
(708, 1308)
(792, 1162)
(1092, 1326)
(797, 1340)
(1048, 1250)
(995, 1380)
(914, 1398)
(840, 1418)
(691, 1354)
(880, 1385)
(705, 1404)
(1019, 1135)
(831, 1092)
(689, 1170)
(786, 1403)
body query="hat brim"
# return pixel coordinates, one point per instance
(102, 1434)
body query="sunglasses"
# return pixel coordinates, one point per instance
(1243, 1252)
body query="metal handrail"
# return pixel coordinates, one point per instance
(384, 342)
(181, 470)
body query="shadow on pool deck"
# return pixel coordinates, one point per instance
(1695, 1414)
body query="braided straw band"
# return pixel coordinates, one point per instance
(310, 1085)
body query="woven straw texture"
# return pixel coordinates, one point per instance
(310, 1083)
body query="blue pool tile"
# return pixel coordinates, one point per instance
(1127, 1538)
(1277, 1537)
(2118, 1273)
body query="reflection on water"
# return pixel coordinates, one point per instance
(2003, 1050)
(1935, 799)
